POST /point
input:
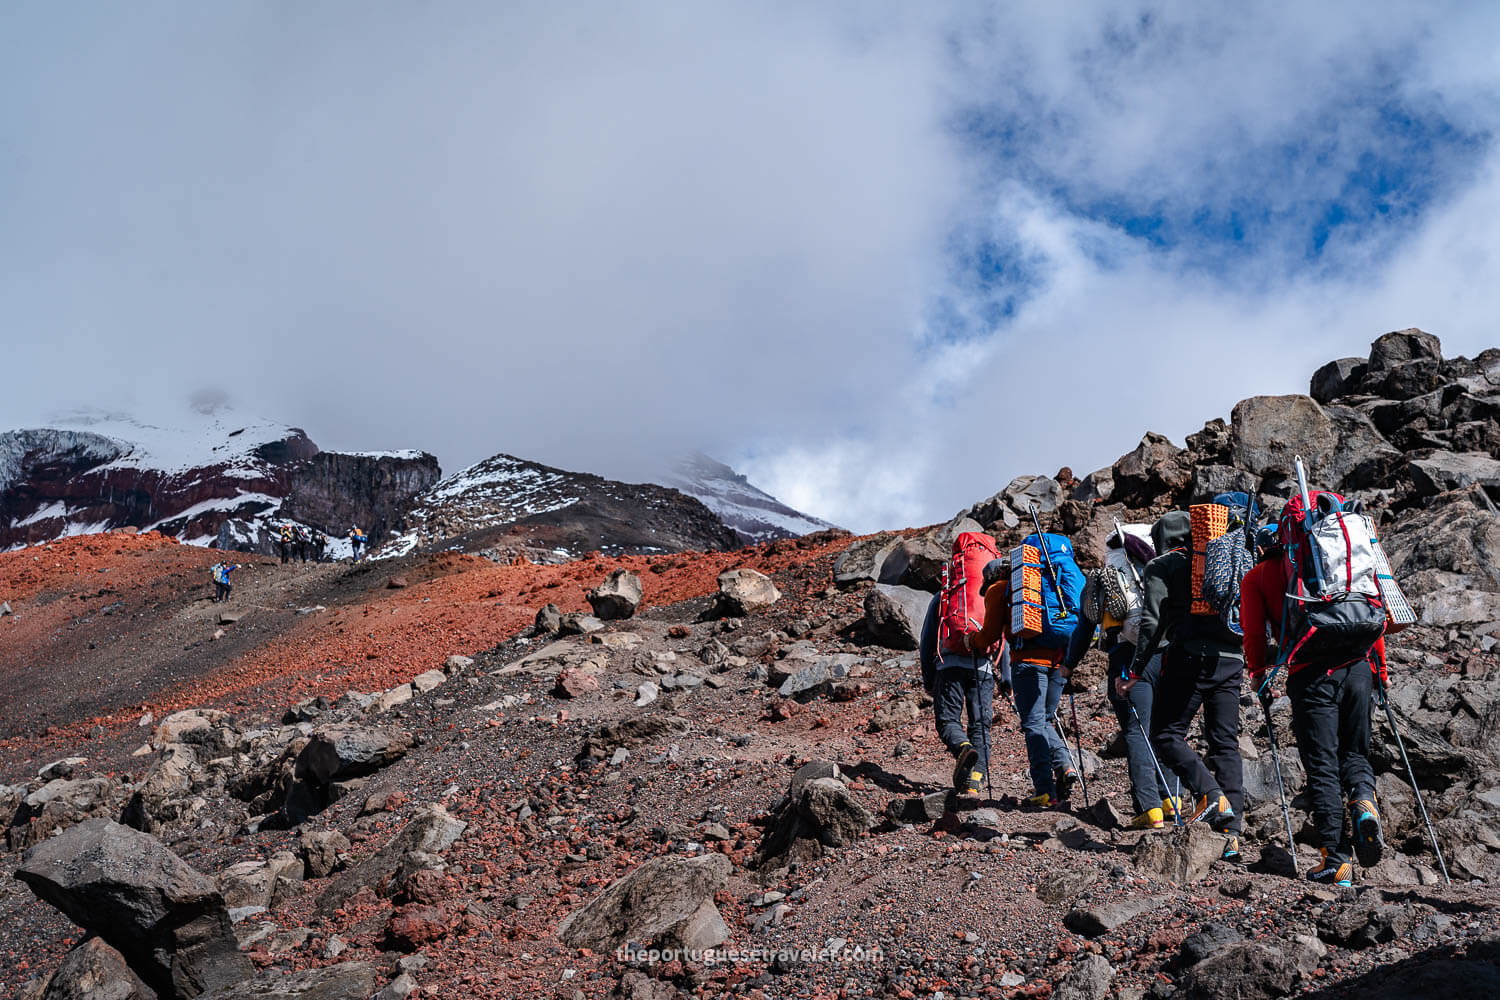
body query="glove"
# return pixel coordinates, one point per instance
(1266, 696)
(1005, 689)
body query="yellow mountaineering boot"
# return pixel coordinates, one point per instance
(1151, 819)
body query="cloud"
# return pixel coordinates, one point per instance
(881, 257)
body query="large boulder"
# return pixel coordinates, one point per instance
(1363, 458)
(743, 591)
(1245, 970)
(1442, 471)
(862, 561)
(894, 615)
(95, 971)
(1335, 379)
(1402, 347)
(617, 597)
(918, 562)
(1266, 432)
(1152, 471)
(665, 903)
(346, 750)
(819, 812)
(166, 918)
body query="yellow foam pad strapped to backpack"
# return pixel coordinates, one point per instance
(1027, 613)
(1210, 521)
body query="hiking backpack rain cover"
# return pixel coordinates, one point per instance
(1334, 607)
(960, 606)
(1044, 611)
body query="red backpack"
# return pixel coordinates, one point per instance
(960, 606)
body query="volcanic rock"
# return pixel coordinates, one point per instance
(1247, 970)
(617, 597)
(666, 902)
(743, 591)
(165, 918)
(894, 615)
(345, 981)
(95, 971)
(1183, 854)
(1268, 431)
(1101, 918)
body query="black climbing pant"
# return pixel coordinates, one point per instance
(1331, 722)
(1211, 681)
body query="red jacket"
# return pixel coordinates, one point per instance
(1261, 594)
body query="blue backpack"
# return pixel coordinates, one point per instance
(1062, 597)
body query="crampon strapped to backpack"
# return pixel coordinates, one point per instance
(1046, 592)
(1334, 610)
(1223, 552)
(960, 606)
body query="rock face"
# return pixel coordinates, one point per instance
(894, 615)
(666, 903)
(1268, 431)
(617, 597)
(743, 591)
(166, 919)
(95, 971)
(334, 490)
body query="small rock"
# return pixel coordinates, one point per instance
(575, 683)
(646, 693)
(1092, 921)
(744, 591)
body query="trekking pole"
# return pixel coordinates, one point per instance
(1390, 717)
(1176, 814)
(1286, 812)
(1078, 742)
(1062, 599)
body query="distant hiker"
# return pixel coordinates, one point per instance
(959, 679)
(1329, 689)
(1202, 668)
(1037, 623)
(320, 543)
(284, 542)
(219, 573)
(1112, 601)
(301, 542)
(357, 540)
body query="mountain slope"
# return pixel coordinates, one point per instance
(539, 511)
(753, 514)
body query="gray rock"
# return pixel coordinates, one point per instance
(432, 831)
(1211, 480)
(646, 692)
(578, 623)
(1335, 379)
(1444, 470)
(1456, 606)
(1042, 491)
(1063, 884)
(1209, 938)
(1182, 854)
(862, 561)
(1363, 457)
(548, 619)
(1148, 472)
(617, 597)
(894, 615)
(666, 902)
(1459, 534)
(320, 850)
(1089, 979)
(1247, 970)
(1101, 918)
(806, 683)
(1393, 349)
(744, 591)
(95, 971)
(167, 919)
(1266, 432)
(1096, 487)
(921, 809)
(64, 768)
(345, 981)
(1370, 921)
(818, 812)
(345, 750)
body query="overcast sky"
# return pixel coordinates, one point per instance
(882, 257)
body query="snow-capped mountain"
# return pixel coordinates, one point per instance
(509, 503)
(92, 471)
(754, 515)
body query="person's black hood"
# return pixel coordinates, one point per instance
(1173, 531)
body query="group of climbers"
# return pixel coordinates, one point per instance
(298, 541)
(1183, 610)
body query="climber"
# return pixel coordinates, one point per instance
(357, 540)
(219, 573)
(1202, 667)
(320, 543)
(960, 682)
(284, 542)
(1037, 685)
(1330, 721)
(1118, 637)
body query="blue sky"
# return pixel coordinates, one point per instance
(832, 244)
